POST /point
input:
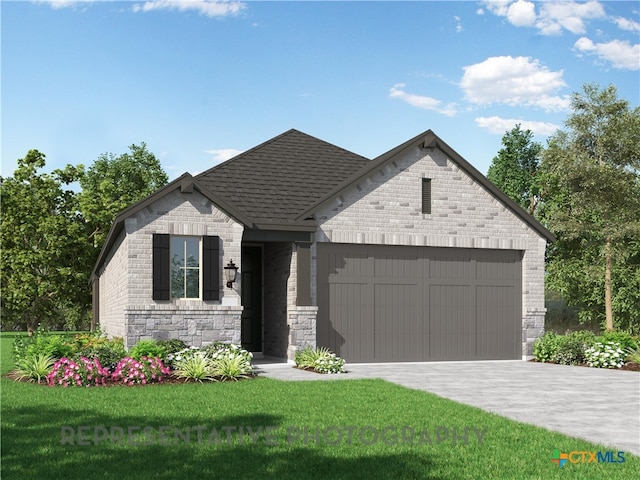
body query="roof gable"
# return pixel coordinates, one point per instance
(276, 181)
(427, 140)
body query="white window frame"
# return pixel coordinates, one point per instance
(185, 269)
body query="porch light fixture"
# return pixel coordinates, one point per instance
(230, 273)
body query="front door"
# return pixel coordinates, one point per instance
(251, 283)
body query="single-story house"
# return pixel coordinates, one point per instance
(411, 256)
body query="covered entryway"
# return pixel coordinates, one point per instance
(379, 303)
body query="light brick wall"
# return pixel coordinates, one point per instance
(386, 209)
(139, 316)
(114, 289)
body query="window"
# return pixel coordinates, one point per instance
(426, 195)
(185, 267)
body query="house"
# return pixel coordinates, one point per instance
(411, 256)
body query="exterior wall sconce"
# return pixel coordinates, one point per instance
(230, 273)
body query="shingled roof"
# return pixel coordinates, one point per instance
(278, 180)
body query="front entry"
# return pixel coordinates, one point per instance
(251, 284)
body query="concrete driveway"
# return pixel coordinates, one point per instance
(598, 405)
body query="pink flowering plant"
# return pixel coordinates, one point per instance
(130, 371)
(81, 373)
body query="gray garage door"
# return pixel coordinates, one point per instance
(392, 303)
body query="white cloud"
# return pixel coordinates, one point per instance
(56, 4)
(459, 27)
(519, 81)
(522, 13)
(419, 101)
(224, 154)
(210, 8)
(554, 16)
(626, 24)
(621, 54)
(571, 16)
(499, 125)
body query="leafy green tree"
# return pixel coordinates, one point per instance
(515, 170)
(45, 262)
(592, 205)
(113, 183)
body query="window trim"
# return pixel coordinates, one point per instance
(185, 268)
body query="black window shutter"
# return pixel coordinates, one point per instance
(211, 268)
(161, 267)
(426, 195)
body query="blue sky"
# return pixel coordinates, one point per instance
(199, 81)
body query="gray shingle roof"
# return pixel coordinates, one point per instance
(276, 181)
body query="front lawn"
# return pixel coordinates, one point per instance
(306, 417)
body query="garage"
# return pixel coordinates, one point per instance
(382, 303)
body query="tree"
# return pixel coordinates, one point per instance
(113, 183)
(515, 169)
(45, 261)
(592, 205)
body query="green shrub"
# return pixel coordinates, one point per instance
(231, 368)
(320, 359)
(147, 348)
(172, 346)
(197, 366)
(108, 352)
(34, 367)
(633, 354)
(42, 342)
(623, 338)
(545, 347)
(571, 347)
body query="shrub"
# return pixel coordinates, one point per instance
(85, 372)
(130, 371)
(147, 348)
(109, 353)
(320, 359)
(42, 342)
(172, 346)
(605, 355)
(231, 368)
(545, 347)
(174, 358)
(197, 366)
(623, 338)
(230, 362)
(571, 347)
(34, 367)
(88, 340)
(633, 354)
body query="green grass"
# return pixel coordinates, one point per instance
(33, 417)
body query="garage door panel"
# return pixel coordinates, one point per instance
(400, 303)
(497, 339)
(451, 333)
(398, 326)
(350, 332)
(400, 262)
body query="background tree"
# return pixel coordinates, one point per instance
(45, 260)
(515, 170)
(113, 183)
(592, 205)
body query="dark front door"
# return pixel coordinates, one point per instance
(251, 278)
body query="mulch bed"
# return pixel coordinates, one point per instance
(629, 366)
